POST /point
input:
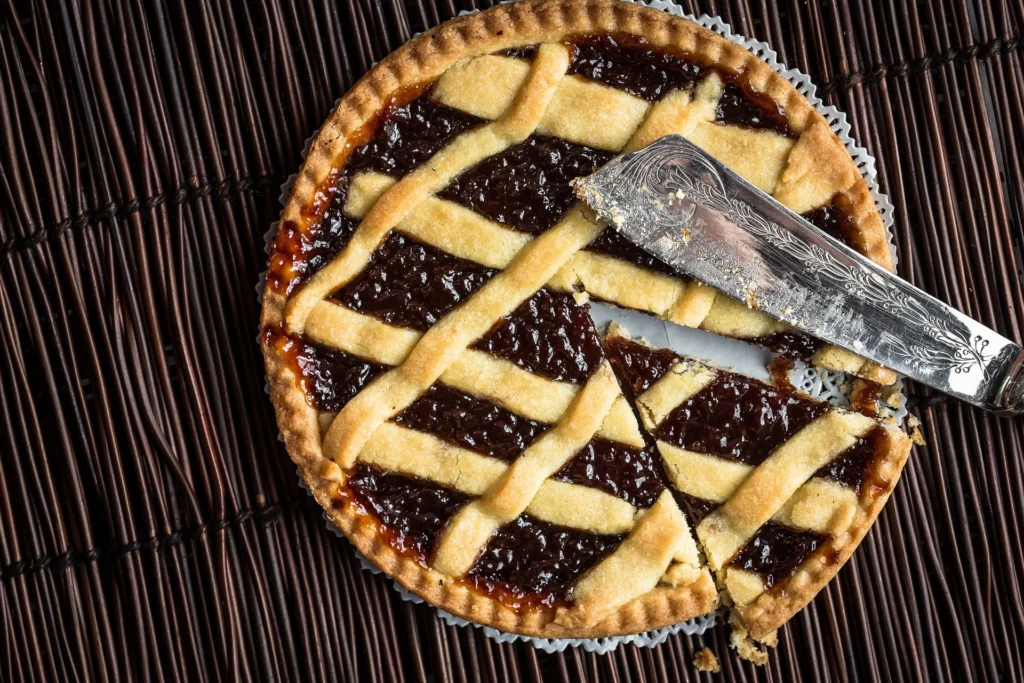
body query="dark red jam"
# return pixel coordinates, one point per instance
(835, 220)
(695, 509)
(333, 233)
(632, 474)
(638, 365)
(850, 467)
(330, 378)
(527, 53)
(779, 369)
(410, 284)
(412, 511)
(548, 334)
(738, 418)
(776, 551)
(791, 344)
(297, 255)
(531, 562)
(526, 187)
(611, 243)
(471, 423)
(303, 246)
(408, 136)
(865, 397)
(740, 106)
(627, 63)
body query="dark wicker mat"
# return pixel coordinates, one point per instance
(150, 522)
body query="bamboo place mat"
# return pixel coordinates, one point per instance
(151, 524)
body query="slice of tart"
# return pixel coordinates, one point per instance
(780, 487)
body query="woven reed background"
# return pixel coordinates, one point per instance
(151, 525)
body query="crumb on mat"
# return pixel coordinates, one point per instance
(915, 430)
(705, 660)
(749, 649)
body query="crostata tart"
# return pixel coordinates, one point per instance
(440, 383)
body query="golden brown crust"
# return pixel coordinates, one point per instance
(774, 608)
(418, 62)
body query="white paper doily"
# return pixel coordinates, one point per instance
(732, 353)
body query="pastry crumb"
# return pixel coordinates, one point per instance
(749, 649)
(893, 397)
(915, 430)
(705, 660)
(750, 294)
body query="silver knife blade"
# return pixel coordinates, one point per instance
(688, 209)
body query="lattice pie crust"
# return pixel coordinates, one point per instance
(656, 575)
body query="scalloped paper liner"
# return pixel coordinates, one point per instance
(817, 382)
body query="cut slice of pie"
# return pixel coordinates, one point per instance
(435, 375)
(780, 487)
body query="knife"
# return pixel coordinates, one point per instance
(702, 219)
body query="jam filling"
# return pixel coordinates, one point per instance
(411, 284)
(632, 474)
(330, 378)
(526, 187)
(779, 369)
(528, 52)
(850, 467)
(790, 344)
(738, 418)
(865, 396)
(408, 136)
(776, 551)
(638, 365)
(741, 106)
(412, 511)
(548, 334)
(696, 509)
(470, 422)
(529, 561)
(298, 255)
(627, 63)
(836, 220)
(611, 243)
